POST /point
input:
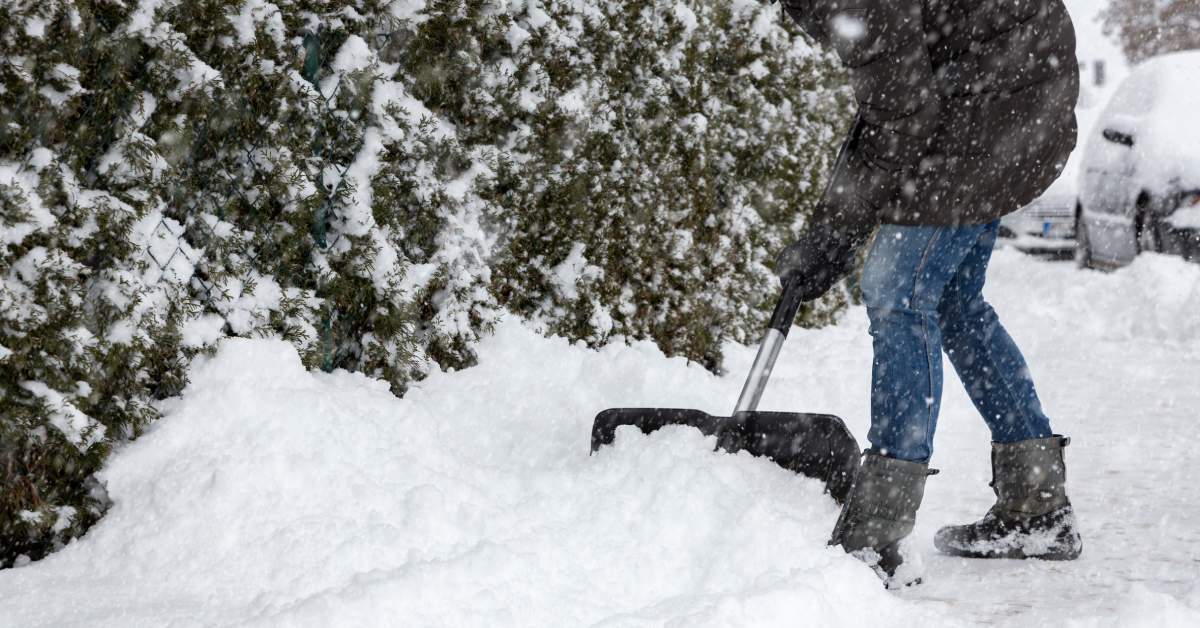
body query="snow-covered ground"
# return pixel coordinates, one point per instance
(271, 496)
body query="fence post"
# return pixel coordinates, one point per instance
(310, 72)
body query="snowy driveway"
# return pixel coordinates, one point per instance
(269, 496)
(1129, 395)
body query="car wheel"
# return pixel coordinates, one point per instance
(1147, 229)
(1083, 247)
(1149, 237)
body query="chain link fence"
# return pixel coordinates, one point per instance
(166, 180)
(180, 239)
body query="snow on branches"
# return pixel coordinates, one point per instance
(373, 182)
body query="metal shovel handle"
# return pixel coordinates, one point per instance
(781, 321)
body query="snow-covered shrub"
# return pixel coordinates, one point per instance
(85, 341)
(308, 218)
(372, 180)
(656, 155)
(176, 172)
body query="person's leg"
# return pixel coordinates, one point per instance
(985, 357)
(906, 272)
(1032, 516)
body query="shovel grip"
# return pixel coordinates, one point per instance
(768, 351)
(785, 311)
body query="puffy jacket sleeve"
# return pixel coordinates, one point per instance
(882, 44)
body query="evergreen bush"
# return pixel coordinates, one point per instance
(180, 172)
(663, 153)
(373, 181)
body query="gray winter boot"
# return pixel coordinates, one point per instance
(1032, 517)
(880, 512)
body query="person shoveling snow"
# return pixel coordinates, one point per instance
(966, 113)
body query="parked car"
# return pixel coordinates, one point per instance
(1047, 225)
(1140, 174)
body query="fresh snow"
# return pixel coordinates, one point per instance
(687, 18)
(413, 10)
(566, 275)
(78, 428)
(35, 27)
(24, 182)
(272, 496)
(1186, 218)
(354, 55)
(1157, 105)
(253, 12)
(142, 20)
(848, 27)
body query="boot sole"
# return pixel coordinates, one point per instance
(1054, 535)
(1054, 556)
(1015, 553)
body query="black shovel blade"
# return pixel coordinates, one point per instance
(818, 446)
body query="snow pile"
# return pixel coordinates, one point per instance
(1156, 298)
(274, 496)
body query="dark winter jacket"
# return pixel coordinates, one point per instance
(966, 107)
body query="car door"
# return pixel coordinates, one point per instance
(1109, 190)
(1113, 195)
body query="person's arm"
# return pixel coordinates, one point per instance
(882, 44)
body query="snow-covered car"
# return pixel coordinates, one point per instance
(1140, 175)
(1047, 225)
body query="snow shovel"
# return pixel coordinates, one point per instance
(815, 445)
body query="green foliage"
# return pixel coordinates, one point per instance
(373, 181)
(662, 155)
(174, 178)
(84, 343)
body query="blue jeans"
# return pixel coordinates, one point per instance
(923, 288)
